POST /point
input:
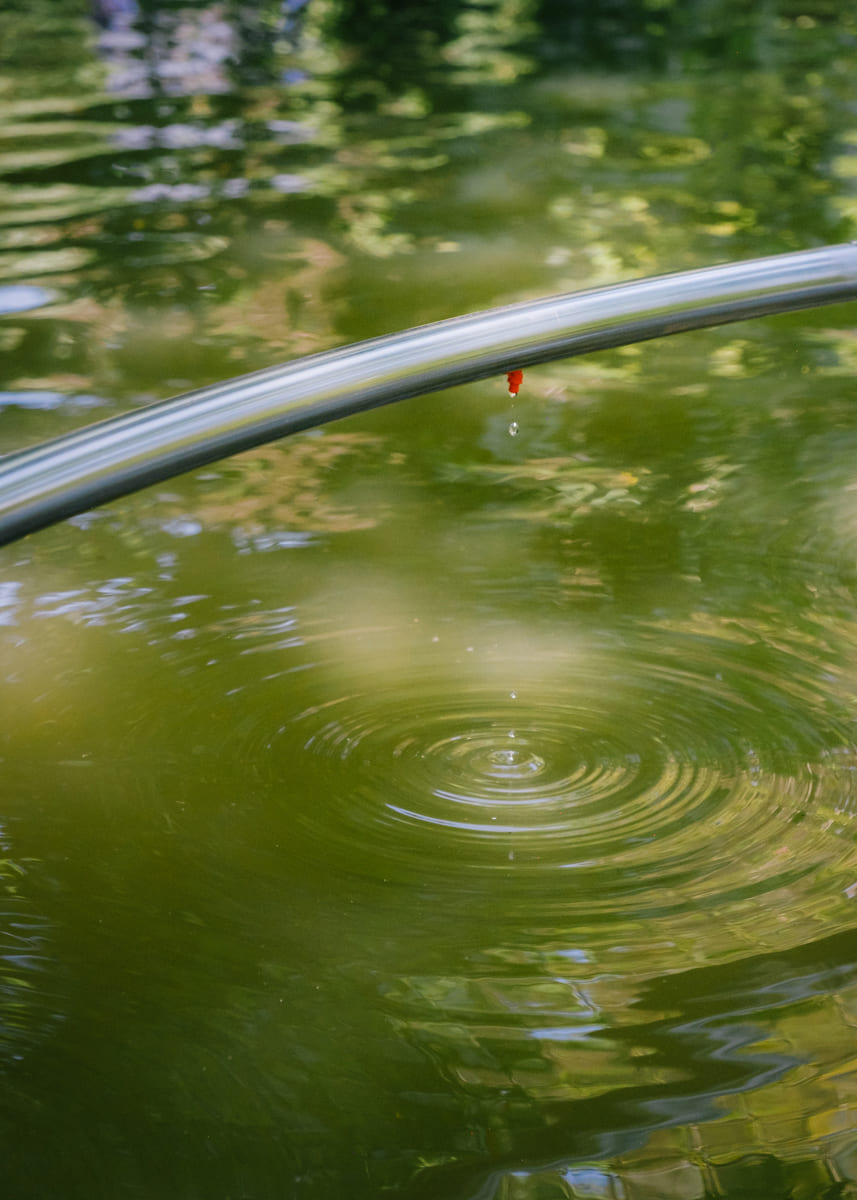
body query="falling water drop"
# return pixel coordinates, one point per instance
(513, 429)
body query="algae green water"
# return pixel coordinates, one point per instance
(409, 809)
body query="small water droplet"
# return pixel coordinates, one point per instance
(513, 429)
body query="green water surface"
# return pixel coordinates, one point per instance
(458, 802)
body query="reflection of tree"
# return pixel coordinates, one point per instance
(614, 34)
(44, 32)
(287, 487)
(250, 131)
(391, 44)
(772, 138)
(742, 1071)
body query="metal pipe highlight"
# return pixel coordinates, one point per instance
(101, 462)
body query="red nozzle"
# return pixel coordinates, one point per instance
(515, 379)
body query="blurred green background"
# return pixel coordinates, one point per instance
(407, 808)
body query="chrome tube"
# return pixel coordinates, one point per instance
(96, 464)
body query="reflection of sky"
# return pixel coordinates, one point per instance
(186, 52)
(47, 399)
(20, 297)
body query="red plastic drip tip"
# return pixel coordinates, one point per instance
(515, 379)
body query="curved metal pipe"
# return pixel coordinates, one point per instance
(71, 474)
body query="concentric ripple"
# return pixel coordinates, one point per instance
(688, 772)
(555, 780)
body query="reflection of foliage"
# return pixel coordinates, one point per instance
(285, 487)
(47, 31)
(792, 1133)
(769, 138)
(386, 129)
(615, 34)
(556, 489)
(369, 28)
(394, 46)
(373, 169)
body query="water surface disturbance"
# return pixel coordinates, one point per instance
(405, 810)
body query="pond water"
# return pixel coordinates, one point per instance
(459, 801)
